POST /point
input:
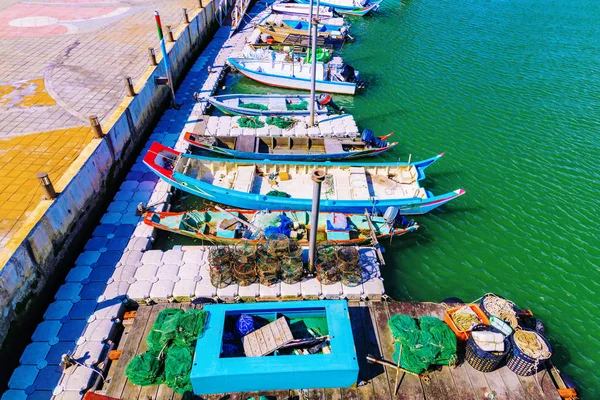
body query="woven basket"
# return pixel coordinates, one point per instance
(482, 360)
(520, 363)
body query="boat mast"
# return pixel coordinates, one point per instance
(313, 74)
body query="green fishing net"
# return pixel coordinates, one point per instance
(250, 122)
(281, 122)
(322, 56)
(178, 366)
(303, 105)
(278, 193)
(254, 106)
(431, 344)
(145, 369)
(170, 352)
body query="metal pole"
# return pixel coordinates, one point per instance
(313, 83)
(47, 186)
(166, 62)
(318, 176)
(96, 127)
(129, 86)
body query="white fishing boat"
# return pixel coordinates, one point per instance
(301, 9)
(332, 77)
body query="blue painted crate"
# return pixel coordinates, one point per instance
(212, 372)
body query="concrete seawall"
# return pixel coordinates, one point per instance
(50, 234)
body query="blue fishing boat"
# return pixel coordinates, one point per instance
(348, 187)
(305, 26)
(253, 147)
(348, 6)
(271, 104)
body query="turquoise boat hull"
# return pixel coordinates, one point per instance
(157, 154)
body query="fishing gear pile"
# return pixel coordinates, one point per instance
(250, 122)
(170, 350)
(281, 122)
(303, 105)
(244, 263)
(348, 266)
(431, 342)
(220, 268)
(254, 106)
(326, 267)
(501, 308)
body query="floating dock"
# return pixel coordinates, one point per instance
(371, 336)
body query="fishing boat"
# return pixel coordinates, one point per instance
(342, 6)
(333, 76)
(225, 227)
(359, 11)
(301, 9)
(303, 28)
(269, 104)
(282, 33)
(254, 147)
(348, 187)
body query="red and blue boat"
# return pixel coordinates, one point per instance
(349, 187)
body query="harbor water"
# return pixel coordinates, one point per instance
(508, 89)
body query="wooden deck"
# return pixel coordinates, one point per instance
(371, 336)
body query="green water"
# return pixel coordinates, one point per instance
(510, 90)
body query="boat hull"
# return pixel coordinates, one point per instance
(294, 82)
(359, 241)
(338, 7)
(304, 12)
(255, 201)
(233, 110)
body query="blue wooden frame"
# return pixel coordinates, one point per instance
(212, 374)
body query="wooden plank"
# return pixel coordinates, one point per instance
(410, 385)
(378, 377)
(445, 381)
(146, 392)
(512, 383)
(262, 341)
(550, 390)
(478, 381)
(462, 382)
(129, 346)
(534, 392)
(163, 393)
(496, 383)
(364, 371)
(333, 394)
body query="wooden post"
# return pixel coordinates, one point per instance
(186, 18)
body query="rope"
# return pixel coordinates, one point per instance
(501, 308)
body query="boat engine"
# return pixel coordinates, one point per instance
(347, 73)
(368, 136)
(325, 99)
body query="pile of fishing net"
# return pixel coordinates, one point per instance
(250, 122)
(281, 122)
(170, 350)
(431, 342)
(303, 105)
(254, 106)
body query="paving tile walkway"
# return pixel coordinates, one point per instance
(61, 61)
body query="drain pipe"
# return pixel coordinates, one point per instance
(318, 176)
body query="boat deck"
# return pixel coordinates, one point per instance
(354, 183)
(371, 336)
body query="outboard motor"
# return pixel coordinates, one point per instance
(325, 99)
(364, 3)
(390, 213)
(347, 73)
(368, 136)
